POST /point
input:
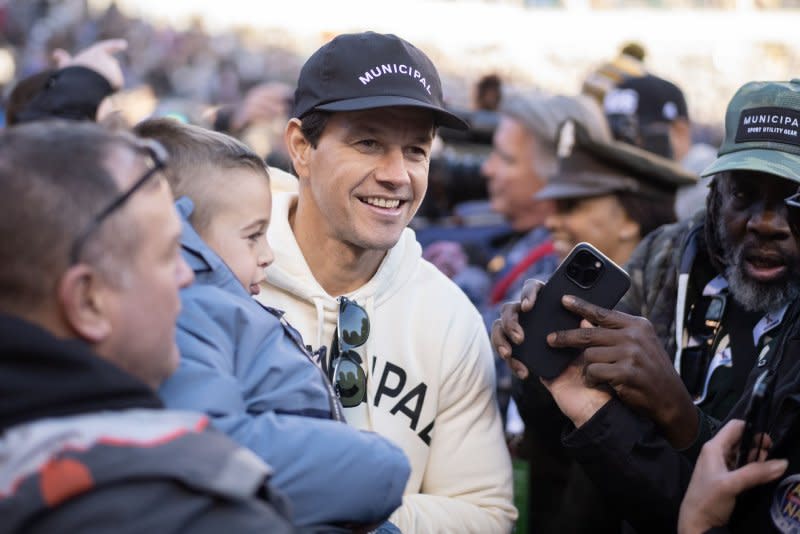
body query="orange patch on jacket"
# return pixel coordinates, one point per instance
(62, 479)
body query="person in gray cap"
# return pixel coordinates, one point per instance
(407, 353)
(523, 157)
(609, 194)
(715, 293)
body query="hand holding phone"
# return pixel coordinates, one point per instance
(586, 273)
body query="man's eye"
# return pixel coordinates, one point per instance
(368, 143)
(418, 152)
(741, 190)
(566, 205)
(740, 193)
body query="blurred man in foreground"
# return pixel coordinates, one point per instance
(88, 303)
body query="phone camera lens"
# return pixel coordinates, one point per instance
(573, 271)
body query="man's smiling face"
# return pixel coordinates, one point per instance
(369, 173)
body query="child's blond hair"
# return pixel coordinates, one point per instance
(194, 151)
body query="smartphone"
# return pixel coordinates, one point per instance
(585, 273)
(755, 417)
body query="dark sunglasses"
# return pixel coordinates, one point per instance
(793, 215)
(157, 160)
(352, 331)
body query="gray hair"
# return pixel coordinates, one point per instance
(543, 114)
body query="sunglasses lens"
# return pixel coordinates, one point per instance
(793, 215)
(350, 380)
(353, 325)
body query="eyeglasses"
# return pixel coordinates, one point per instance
(793, 215)
(157, 160)
(352, 331)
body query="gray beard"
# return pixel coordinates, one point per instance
(753, 295)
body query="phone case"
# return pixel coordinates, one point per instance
(756, 416)
(574, 276)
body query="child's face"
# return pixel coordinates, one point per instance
(237, 232)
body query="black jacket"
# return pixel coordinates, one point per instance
(577, 485)
(623, 453)
(86, 447)
(635, 473)
(775, 507)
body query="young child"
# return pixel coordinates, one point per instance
(241, 363)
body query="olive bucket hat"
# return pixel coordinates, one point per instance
(762, 131)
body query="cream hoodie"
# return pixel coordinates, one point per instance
(430, 379)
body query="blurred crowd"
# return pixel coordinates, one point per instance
(188, 74)
(180, 67)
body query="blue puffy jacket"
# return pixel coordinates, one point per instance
(248, 369)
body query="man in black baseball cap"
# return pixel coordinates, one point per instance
(650, 112)
(366, 110)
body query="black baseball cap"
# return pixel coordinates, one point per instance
(371, 70)
(649, 98)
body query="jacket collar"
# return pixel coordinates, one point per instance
(44, 376)
(208, 267)
(200, 257)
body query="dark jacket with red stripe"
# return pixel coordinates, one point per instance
(84, 447)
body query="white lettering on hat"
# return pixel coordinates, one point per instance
(771, 124)
(669, 111)
(771, 130)
(393, 68)
(771, 119)
(621, 101)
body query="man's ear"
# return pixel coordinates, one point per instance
(84, 298)
(298, 147)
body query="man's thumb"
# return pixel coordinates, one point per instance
(757, 473)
